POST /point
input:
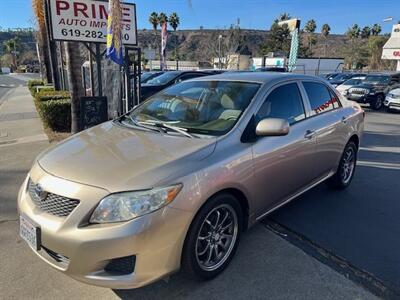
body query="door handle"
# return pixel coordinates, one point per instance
(309, 134)
(344, 119)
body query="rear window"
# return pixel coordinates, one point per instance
(321, 99)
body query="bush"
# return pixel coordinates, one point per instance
(32, 84)
(54, 108)
(56, 114)
(46, 94)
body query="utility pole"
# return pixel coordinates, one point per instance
(219, 51)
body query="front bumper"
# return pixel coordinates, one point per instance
(360, 98)
(155, 240)
(392, 103)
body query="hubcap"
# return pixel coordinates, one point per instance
(216, 237)
(348, 165)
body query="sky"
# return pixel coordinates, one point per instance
(254, 14)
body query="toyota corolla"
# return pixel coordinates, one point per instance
(174, 183)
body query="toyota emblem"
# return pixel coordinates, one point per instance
(40, 192)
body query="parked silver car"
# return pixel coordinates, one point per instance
(176, 181)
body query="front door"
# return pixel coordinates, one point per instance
(283, 165)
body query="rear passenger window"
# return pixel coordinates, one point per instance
(284, 102)
(321, 100)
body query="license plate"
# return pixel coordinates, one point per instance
(29, 232)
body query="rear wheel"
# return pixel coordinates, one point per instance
(213, 237)
(347, 166)
(377, 103)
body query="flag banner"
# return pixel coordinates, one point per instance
(164, 37)
(294, 49)
(114, 32)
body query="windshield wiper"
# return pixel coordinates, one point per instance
(139, 124)
(166, 126)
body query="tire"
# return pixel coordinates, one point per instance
(203, 237)
(377, 103)
(345, 172)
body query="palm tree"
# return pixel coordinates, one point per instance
(283, 17)
(73, 60)
(162, 18)
(353, 32)
(325, 31)
(174, 21)
(376, 29)
(153, 19)
(365, 32)
(43, 41)
(310, 28)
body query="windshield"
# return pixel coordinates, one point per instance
(377, 79)
(352, 82)
(147, 76)
(342, 77)
(163, 78)
(203, 107)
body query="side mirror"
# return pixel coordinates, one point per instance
(272, 127)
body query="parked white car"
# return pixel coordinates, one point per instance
(392, 101)
(344, 87)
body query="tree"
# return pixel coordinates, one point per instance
(162, 18)
(353, 32)
(42, 37)
(153, 19)
(283, 17)
(12, 46)
(325, 31)
(365, 32)
(376, 29)
(278, 40)
(74, 65)
(310, 28)
(174, 21)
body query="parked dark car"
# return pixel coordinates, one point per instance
(167, 79)
(146, 76)
(272, 69)
(342, 77)
(374, 89)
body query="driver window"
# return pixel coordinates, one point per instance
(284, 102)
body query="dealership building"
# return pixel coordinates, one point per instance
(391, 50)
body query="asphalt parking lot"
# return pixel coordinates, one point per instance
(361, 225)
(358, 225)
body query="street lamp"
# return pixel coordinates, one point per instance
(219, 51)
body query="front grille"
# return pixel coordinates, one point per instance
(57, 257)
(394, 104)
(51, 203)
(121, 266)
(358, 91)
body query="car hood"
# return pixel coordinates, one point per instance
(343, 87)
(117, 158)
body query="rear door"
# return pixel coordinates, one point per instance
(284, 164)
(326, 123)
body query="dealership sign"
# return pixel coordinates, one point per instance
(391, 50)
(86, 21)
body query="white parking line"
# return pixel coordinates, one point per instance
(380, 165)
(382, 149)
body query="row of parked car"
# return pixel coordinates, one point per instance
(378, 90)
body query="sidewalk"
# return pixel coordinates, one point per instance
(21, 139)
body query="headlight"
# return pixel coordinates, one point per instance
(126, 206)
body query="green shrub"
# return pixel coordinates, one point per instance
(54, 108)
(45, 95)
(32, 84)
(56, 114)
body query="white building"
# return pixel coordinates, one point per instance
(391, 50)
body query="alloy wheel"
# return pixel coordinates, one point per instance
(216, 237)
(348, 165)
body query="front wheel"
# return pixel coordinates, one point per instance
(213, 237)
(377, 103)
(345, 172)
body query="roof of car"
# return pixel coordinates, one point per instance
(261, 77)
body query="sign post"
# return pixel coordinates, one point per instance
(85, 21)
